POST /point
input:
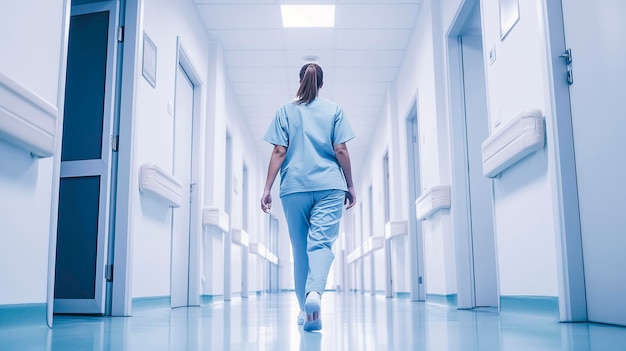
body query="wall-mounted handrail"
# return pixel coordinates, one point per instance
(519, 137)
(26, 119)
(432, 200)
(157, 182)
(214, 216)
(395, 228)
(240, 237)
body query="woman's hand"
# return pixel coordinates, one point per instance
(266, 201)
(350, 198)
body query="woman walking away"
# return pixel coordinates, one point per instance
(309, 135)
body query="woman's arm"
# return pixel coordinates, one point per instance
(343, 157)
(276, 161)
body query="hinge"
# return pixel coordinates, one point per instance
(419, 280)
(120, 34)
(108, 272)
(115, 143)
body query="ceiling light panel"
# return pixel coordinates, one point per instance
(308, 16)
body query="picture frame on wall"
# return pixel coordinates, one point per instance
(149, 60)
(509, 15)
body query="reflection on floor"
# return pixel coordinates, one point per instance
(350, 322)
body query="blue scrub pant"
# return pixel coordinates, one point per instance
(313, 221)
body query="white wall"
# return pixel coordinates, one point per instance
(526, 248)
(31, 55)
(420, 78)
(524, 214)
(151, 219)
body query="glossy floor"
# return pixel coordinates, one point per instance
(350, 322)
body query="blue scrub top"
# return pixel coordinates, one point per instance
(309, 132)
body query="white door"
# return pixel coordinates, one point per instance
(181, 216)
(479, 190)
(596, 33)
(471, 192)
(83, 218)
(418, 292)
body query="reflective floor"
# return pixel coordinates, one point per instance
(350, 322)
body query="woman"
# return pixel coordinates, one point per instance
(309, 136)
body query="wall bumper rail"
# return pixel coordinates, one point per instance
(432, 200)
(263, 252)
(215, 217)
(395, 228)
(518, 138)
(26, 120)
(372, 244)
(240, 237)
(354, 255)
(155, 181)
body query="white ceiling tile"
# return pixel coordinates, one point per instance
(372, 39)
(378, 16)
(366, 75)
(241, 39)
(309, 38)
(255, 58)
(368, 58)
(257, 74)
(261, 88)
(295, 58)
(378, 88)
(241, 16)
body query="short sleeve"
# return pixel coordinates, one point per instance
(342, 131)
(278, 131)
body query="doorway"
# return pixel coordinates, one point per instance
(82, 272)
(417, 290)
(273, 247)
(228, 198)
(182, 170)
(472, 195)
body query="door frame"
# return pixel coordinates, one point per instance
(460, 196)
(195, 209)
(570, 267)
(415, 234)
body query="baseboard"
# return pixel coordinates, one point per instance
(546, 305)
(23, 314)
(151, 302)
(443, 300)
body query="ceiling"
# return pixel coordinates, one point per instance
(360, 56)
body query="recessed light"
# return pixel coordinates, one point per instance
(311, 58)
(308, 15)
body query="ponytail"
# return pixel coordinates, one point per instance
(311, 77)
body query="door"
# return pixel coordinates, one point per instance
(415, 228)
(389, 261)
(481, 230)
(84, 191)
(596, 97)
(273, 247)
(228, 241)
(181, 216)
(471, 191)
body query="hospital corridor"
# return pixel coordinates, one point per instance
(157, 158)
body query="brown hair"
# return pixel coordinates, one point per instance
(311, 78)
